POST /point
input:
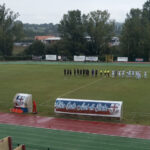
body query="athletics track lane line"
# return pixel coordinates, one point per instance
(103, 128)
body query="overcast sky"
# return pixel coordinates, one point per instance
(51, 11)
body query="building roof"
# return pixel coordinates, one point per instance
(53, 38)
(43, 37)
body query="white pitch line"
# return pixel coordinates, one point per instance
(74, 90)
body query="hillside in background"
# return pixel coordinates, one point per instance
(118, 28)
(32, 30)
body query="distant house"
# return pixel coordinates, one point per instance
(114, 41)
(47, 39)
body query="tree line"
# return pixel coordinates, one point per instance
(10, 30)
(135, 36)
(82, 34)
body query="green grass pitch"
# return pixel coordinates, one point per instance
(42, 139)
(45, 81)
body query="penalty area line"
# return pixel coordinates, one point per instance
(72, 91)
(84, 86)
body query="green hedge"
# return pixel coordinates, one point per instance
(7, 58)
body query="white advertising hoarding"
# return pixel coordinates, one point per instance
(59, 57)
(79, 58)
(51, 57)
(91, 58)
(122, 59)
(89, 107)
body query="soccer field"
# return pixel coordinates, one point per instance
(46, 81)
(42, 139)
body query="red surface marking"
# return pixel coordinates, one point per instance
(114, 129)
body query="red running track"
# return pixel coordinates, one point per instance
(114, 129)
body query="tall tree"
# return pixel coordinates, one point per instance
(146, 29)
(37, 48)
(146, 10)
(131, 37)
(100, 29)
(10, 30)
(72, 32)
(135, 35)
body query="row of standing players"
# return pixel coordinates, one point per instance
(86, 72)
(105, 73)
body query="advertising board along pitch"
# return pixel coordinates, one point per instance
(139, 59)
(89, 107)
(51, 57)
(122, 59)
(79, 58)
(91, 58)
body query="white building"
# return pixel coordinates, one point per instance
(114, 41)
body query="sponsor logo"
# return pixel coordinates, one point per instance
(20, 100)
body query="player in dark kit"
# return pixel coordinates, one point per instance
(65, 72)
(70, 72)
(92, 72)
(96, 72)
(88, 72)
(77, 71)
(74, 72)
(83, 72)
(80, 71)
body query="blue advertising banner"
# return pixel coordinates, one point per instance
(89, 107)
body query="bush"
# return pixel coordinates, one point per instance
(2, 58)
(9, 58)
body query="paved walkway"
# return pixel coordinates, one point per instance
(114, 129)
